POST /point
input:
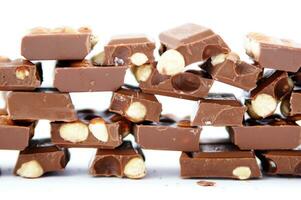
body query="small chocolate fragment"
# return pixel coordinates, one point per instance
(124, 161)
(20, 75)
(83, 76)
(271, 52)
(57, 44)
(39, 158)
(41, 104)
(229, 69)
(206, 183)
(129, 50)
(296, 77)
(219, 161)
(135, 105)
(291, 104)
(219, 110)
(93, 129)
(168, 135)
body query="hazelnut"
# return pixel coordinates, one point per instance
(263, 105)
(252, 47)
(242, 173)
(136, 112)
(135, 168)
(30, 169)
(139, 59)
(5, 120)
(220, 58)
(143, 72)
(171, 62)
(99, 130)
(22, 72)
(74, 132)
(98, 59)
(39, 30)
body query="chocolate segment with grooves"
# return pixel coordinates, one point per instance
(194, 42)
(120, 49)
(219, 161)
(83, 76)
(20, 75)
(113, 127)
(291, 104)
(40, 104)
(219, 110)
(50, 157)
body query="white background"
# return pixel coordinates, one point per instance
(231, 19)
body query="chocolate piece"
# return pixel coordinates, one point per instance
(15, 135)
(194, 42)
(266, 134)
(296, 77)
(93, 129)
(20, 75)
(219, 161)
(41, 157)
(168, 135)
(57, 44)
(83, 76)
(135, 105)
(279, 54)
(219, 110)
(291, 105)
(281, 162)
(124, 161)
(229, 69)
(129, 50)
(41, 104)
(206, 183)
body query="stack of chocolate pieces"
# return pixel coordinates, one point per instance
(261, 138)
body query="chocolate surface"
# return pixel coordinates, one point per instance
(291, 104)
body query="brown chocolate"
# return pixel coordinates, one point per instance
(275, 53)
(296, 77)
(124, 161)
(135, 105)
(219, 110)
(41, 104)
(41, 157)
(57, 44)
(20, 75)
(219, 161)
(291, 104)
(125, 49)
(103, 130)
(194, 42)
(83, 76)
(229, 69)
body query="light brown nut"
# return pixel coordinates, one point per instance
(135, 168)
(22, 72)
(252, 47)
(298, 122)
(184, 123)
(85, 29)
(39, 30)
(242, 173)
(65, 29)
(30, 169)
(5, 120)
(143, 72)
(171, 62)
(74, 132)
(139, 59)
(136, 112)
(98, 59)
(263, 105)
(220, 58)
(93, 40)
(99, 129)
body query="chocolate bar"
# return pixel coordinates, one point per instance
(83, 76)
(271, 89)
(15, 135)
(135, 105)
(57, 44)
(124, 161)
(168, 134)
(93, 129)
(186, 44)
(129, 50)
(268, 134)
(41, 104)
(219, 161)
(286, 162)
(229, 69)
(219, 110)
(279, 54)
(41, 157)
(20, 75)
(291, 104)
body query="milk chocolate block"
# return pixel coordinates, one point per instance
(264, 98)
(135, 105)
(219, 110)
(219, 161)
(285, 163)
(268, 134)
(291, 104)
(275, 53)
(57, 44)
(40, 104)
(168, 134)
(83, 76)
(39, 158)
(124, 161)
(129, 50)
(93, 129)
(20, 75)
(229, 69)
(15, 135)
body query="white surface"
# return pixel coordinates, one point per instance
(231, 19)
